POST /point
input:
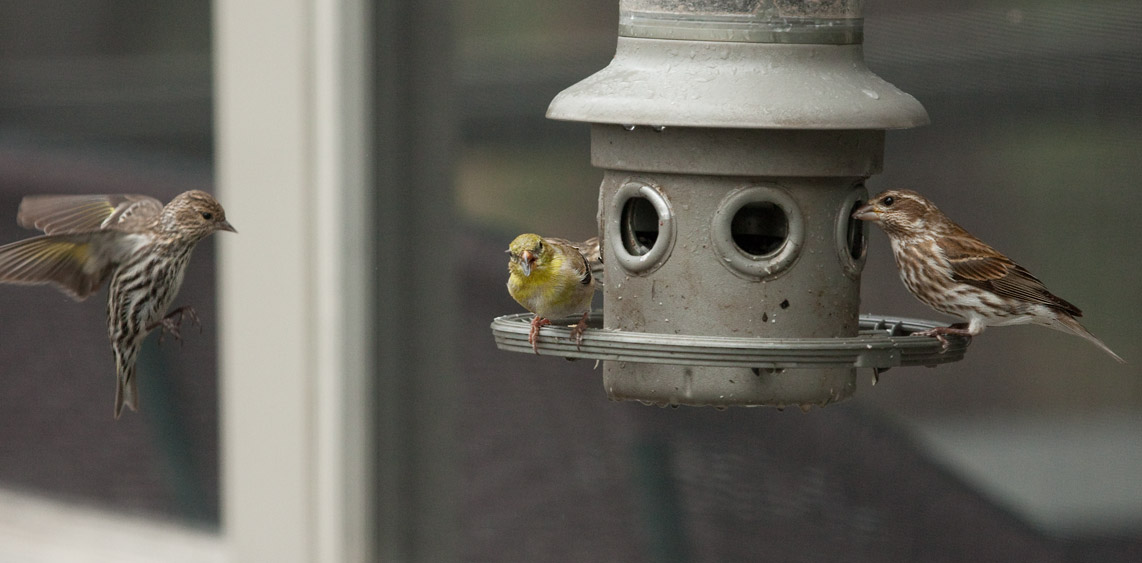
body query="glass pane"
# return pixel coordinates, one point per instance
(1027, 450)
(97, 97)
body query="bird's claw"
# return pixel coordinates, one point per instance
(578, 330)
(940, 333)
(538, 322)
(173, 326)
(533, 337)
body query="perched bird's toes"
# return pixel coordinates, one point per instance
(577, 335)
(533, 339)
(938, 333)
(578, 330)
(533, 336)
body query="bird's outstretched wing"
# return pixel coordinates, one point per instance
(68, 261)
(975, 263)
(61, 214)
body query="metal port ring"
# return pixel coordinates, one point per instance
(851, 265)
(749, 266)
(650, 261)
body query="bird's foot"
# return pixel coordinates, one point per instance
(172, 325)
(940, 332)
(533, 336)
(578, 330)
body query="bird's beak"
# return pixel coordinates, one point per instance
(526, 259)
(226, 226)
(866, 213)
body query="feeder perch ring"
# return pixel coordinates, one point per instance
(883, 342)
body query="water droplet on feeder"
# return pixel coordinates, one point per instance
(870, 93)
(659, 128)
(628, 127)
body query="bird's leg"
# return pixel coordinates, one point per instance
(533, 336)
(169, 324)
(958, 329)
(578, 330)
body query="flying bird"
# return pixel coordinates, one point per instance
(140, 244)
(551, 278)
(956, 273)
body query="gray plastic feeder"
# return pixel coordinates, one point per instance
(735, 139)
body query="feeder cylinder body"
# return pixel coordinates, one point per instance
(747, 234)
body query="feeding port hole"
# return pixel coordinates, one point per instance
(855, 233)
(759, 228)
(639, 226)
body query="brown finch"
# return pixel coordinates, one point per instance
(142, 245)
(955, 273)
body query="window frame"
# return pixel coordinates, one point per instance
(293, 168)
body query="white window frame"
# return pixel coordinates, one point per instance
(292, 169)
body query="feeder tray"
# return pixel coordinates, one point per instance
(883, 343)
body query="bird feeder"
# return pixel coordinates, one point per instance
(735, 139)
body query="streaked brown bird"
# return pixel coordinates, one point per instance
(143, 247)
(955, 273)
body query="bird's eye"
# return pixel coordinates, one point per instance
(888, 201)
(208, 215)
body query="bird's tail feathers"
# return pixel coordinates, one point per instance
(126, 384)
(1066, 323)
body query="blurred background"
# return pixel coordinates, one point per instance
(1028, 450)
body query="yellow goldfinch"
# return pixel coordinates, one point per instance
(551, 278)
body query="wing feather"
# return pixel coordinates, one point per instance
(975, 263)
(61, 214)
(67, 261)
(591, 254)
